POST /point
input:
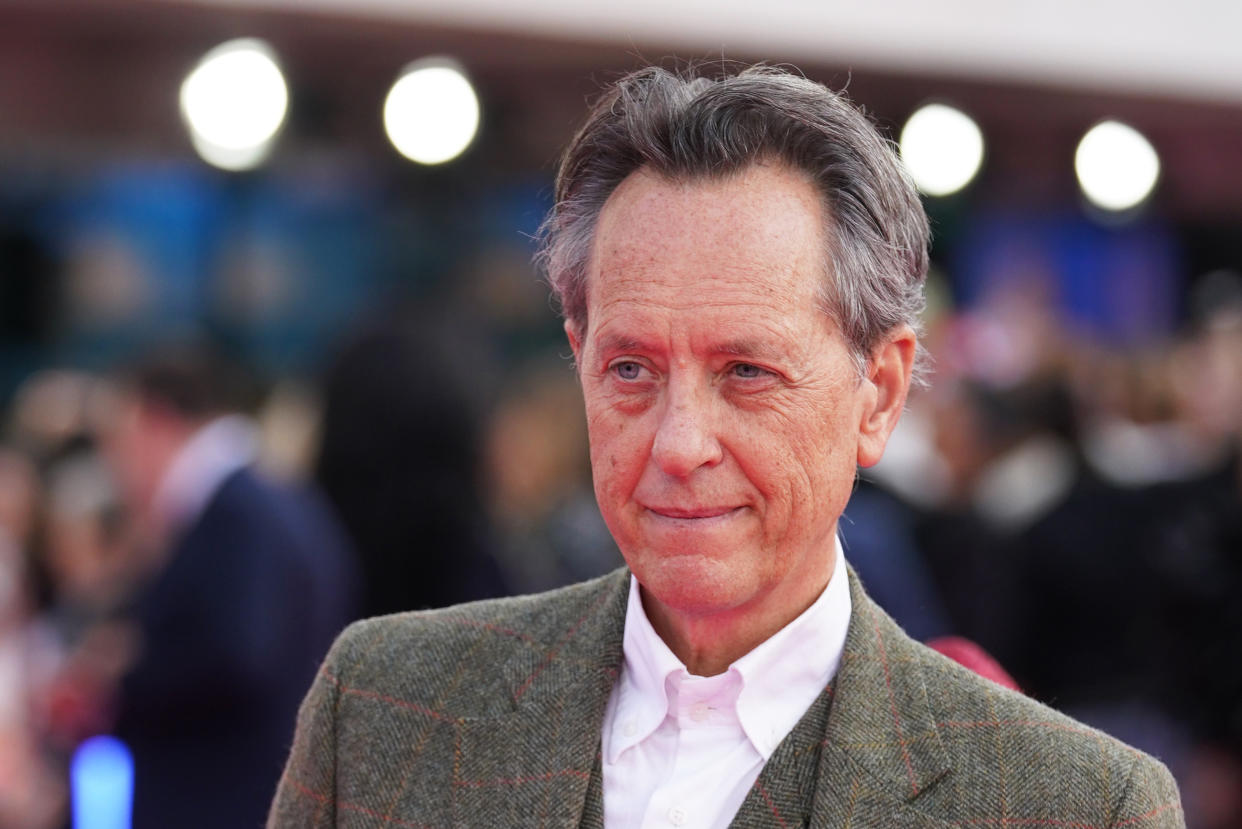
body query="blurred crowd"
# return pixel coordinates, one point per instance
(180, 538)
(1076, 510)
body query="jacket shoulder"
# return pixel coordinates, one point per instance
(466, 653)
(1011, 753)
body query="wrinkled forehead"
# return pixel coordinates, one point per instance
(761, 228)
(728, 198)
(731, 258)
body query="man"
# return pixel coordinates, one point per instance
(740, 264)
(244, 586)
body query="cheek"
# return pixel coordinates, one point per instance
(802, 460)
(796, 441)
(616, 453)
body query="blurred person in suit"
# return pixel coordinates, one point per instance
(740, 263)
(241, 584)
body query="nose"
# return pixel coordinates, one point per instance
(686, 439)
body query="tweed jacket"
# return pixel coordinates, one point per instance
(489, 714)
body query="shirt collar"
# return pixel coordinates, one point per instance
(642, 698)
(775, 683)
(782, 677)
(212, 454)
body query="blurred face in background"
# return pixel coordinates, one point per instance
(140, 440)
(726, 416)
(18, 502)
(82, 550)
(18, 496)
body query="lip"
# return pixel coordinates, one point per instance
(691, 513)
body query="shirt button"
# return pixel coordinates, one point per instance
(677, 816)
(630, 728)
(699, 712)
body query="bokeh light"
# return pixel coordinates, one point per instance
(234, 103)
(102, 782)
(942, 149)
(432, 113)
(1117, 167)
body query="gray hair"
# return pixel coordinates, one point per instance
(685, 127)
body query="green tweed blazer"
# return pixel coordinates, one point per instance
(489, 714)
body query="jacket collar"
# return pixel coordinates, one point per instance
(867, 749)
(881, 717)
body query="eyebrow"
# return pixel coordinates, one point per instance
(745, 349)
(617, 342)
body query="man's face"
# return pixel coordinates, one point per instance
(140, 440)
(724, 410)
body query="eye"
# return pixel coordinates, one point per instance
(627, 370)
(747, 371)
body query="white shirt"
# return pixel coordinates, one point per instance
(683, 751)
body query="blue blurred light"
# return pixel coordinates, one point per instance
(101, 778)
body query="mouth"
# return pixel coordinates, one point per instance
(692, 513)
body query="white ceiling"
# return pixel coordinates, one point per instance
(1146, 47)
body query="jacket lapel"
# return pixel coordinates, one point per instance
(882, 754)
(783, 795)
(866, 750)
(536, 764)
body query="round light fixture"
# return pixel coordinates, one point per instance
(1117, 167)
(234, 103)
(432, 113)
(942, 149)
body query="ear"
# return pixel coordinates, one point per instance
(888, 376)
(575, 344)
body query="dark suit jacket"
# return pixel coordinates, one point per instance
(489, 715)
(232, 630)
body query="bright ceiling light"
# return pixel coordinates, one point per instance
(432, 113)
(942, 149)
(1117, 167)
(234, 103)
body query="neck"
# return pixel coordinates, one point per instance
(708, 643)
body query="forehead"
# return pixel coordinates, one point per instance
(752, 241)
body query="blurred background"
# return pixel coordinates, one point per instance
(273, 356)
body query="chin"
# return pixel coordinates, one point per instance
(694, 583)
